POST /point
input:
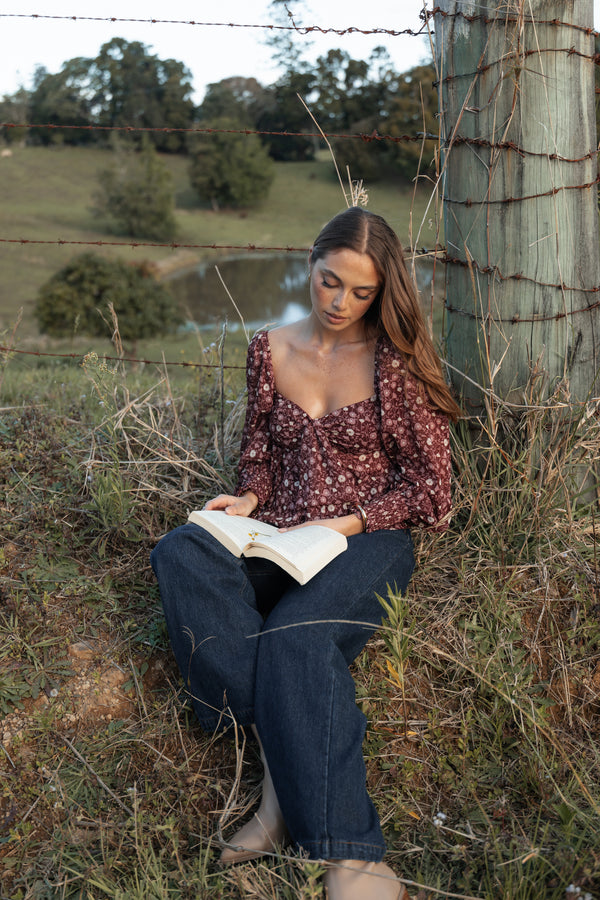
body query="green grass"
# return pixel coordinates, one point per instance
(47, 194)
(482, 693)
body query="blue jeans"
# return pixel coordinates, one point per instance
(253, 644)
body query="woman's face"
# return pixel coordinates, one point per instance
(343, 285)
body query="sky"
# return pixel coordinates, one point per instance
(211, 54)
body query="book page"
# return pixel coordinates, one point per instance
(307, 549)
(240, 530)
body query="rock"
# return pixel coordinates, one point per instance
(82, 650)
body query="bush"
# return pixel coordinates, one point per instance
(136, 195)
(76, 299)
(230, 169)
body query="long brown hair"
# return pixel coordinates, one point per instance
(395, 311)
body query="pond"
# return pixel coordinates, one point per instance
(267, 289)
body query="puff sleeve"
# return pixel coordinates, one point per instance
(416, 440)
(254, 468)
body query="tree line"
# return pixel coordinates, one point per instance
(128, 86)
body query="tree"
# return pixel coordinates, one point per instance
(283, 110)
(230, 169)
(62, 100)
(124, 86)
(136, 194)
(76, 299)
(520, 204)
(413, 109)
(236, 98)
(14, 108)
(136, 88)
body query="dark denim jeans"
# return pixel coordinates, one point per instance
(253, 644)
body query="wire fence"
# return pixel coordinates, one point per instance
(440, 254)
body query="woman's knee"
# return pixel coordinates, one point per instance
(179, 548)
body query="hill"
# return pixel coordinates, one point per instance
(46, 195)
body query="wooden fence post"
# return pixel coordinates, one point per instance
(520, 195)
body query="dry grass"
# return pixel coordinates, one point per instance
(483, 691)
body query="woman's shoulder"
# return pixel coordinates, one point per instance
(389, 357)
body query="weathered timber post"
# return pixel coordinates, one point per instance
(520, 194)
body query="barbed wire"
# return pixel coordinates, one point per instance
(518, 319)
(550, 193)
(363, 136)
(511, 145)
(268, 26)
(518, 56)
(426, 15)
(496, 273)
(503, 20)
(128, 359)
(172, 245)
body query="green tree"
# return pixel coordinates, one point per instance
(282, 110)
(136, 194)
(232, 170)
(124, 86)
(14, 108)
(413, 110)
(62, 99)
(76, 299)
(237, 98)
(136, 88)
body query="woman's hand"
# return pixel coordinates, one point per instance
(347, 525)
(234, 506)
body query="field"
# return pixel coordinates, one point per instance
(482, 689)
(47, 194)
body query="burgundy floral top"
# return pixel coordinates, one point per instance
(389, 453)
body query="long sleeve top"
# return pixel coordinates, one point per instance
(389, 453)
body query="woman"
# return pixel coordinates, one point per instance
(347, 427)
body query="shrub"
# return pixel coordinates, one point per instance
(136, 194)
(230, 169)
(77, 299)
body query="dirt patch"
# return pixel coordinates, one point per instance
(99, 691)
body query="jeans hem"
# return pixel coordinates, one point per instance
(338, 849)
(226, 720)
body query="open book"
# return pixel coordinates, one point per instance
(302, 553)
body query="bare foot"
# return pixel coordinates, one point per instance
(355, 879)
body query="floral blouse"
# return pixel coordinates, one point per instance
(390, 453)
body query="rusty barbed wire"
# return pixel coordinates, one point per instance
(503, 20)
(496, 273)
(128, 359)
(550, 193)
(302, 29)
(517, 319)
(511, 145)
(426, 15)
(362, 136)
(518, 56)
(172, 245)
(159, 129)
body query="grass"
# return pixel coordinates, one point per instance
(483, 691)
(46, 194)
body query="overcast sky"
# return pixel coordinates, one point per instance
(211, 53)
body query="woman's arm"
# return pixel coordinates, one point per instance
(416, 438)
(254, 467)
(347, 525)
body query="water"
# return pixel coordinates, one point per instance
(267, 289)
